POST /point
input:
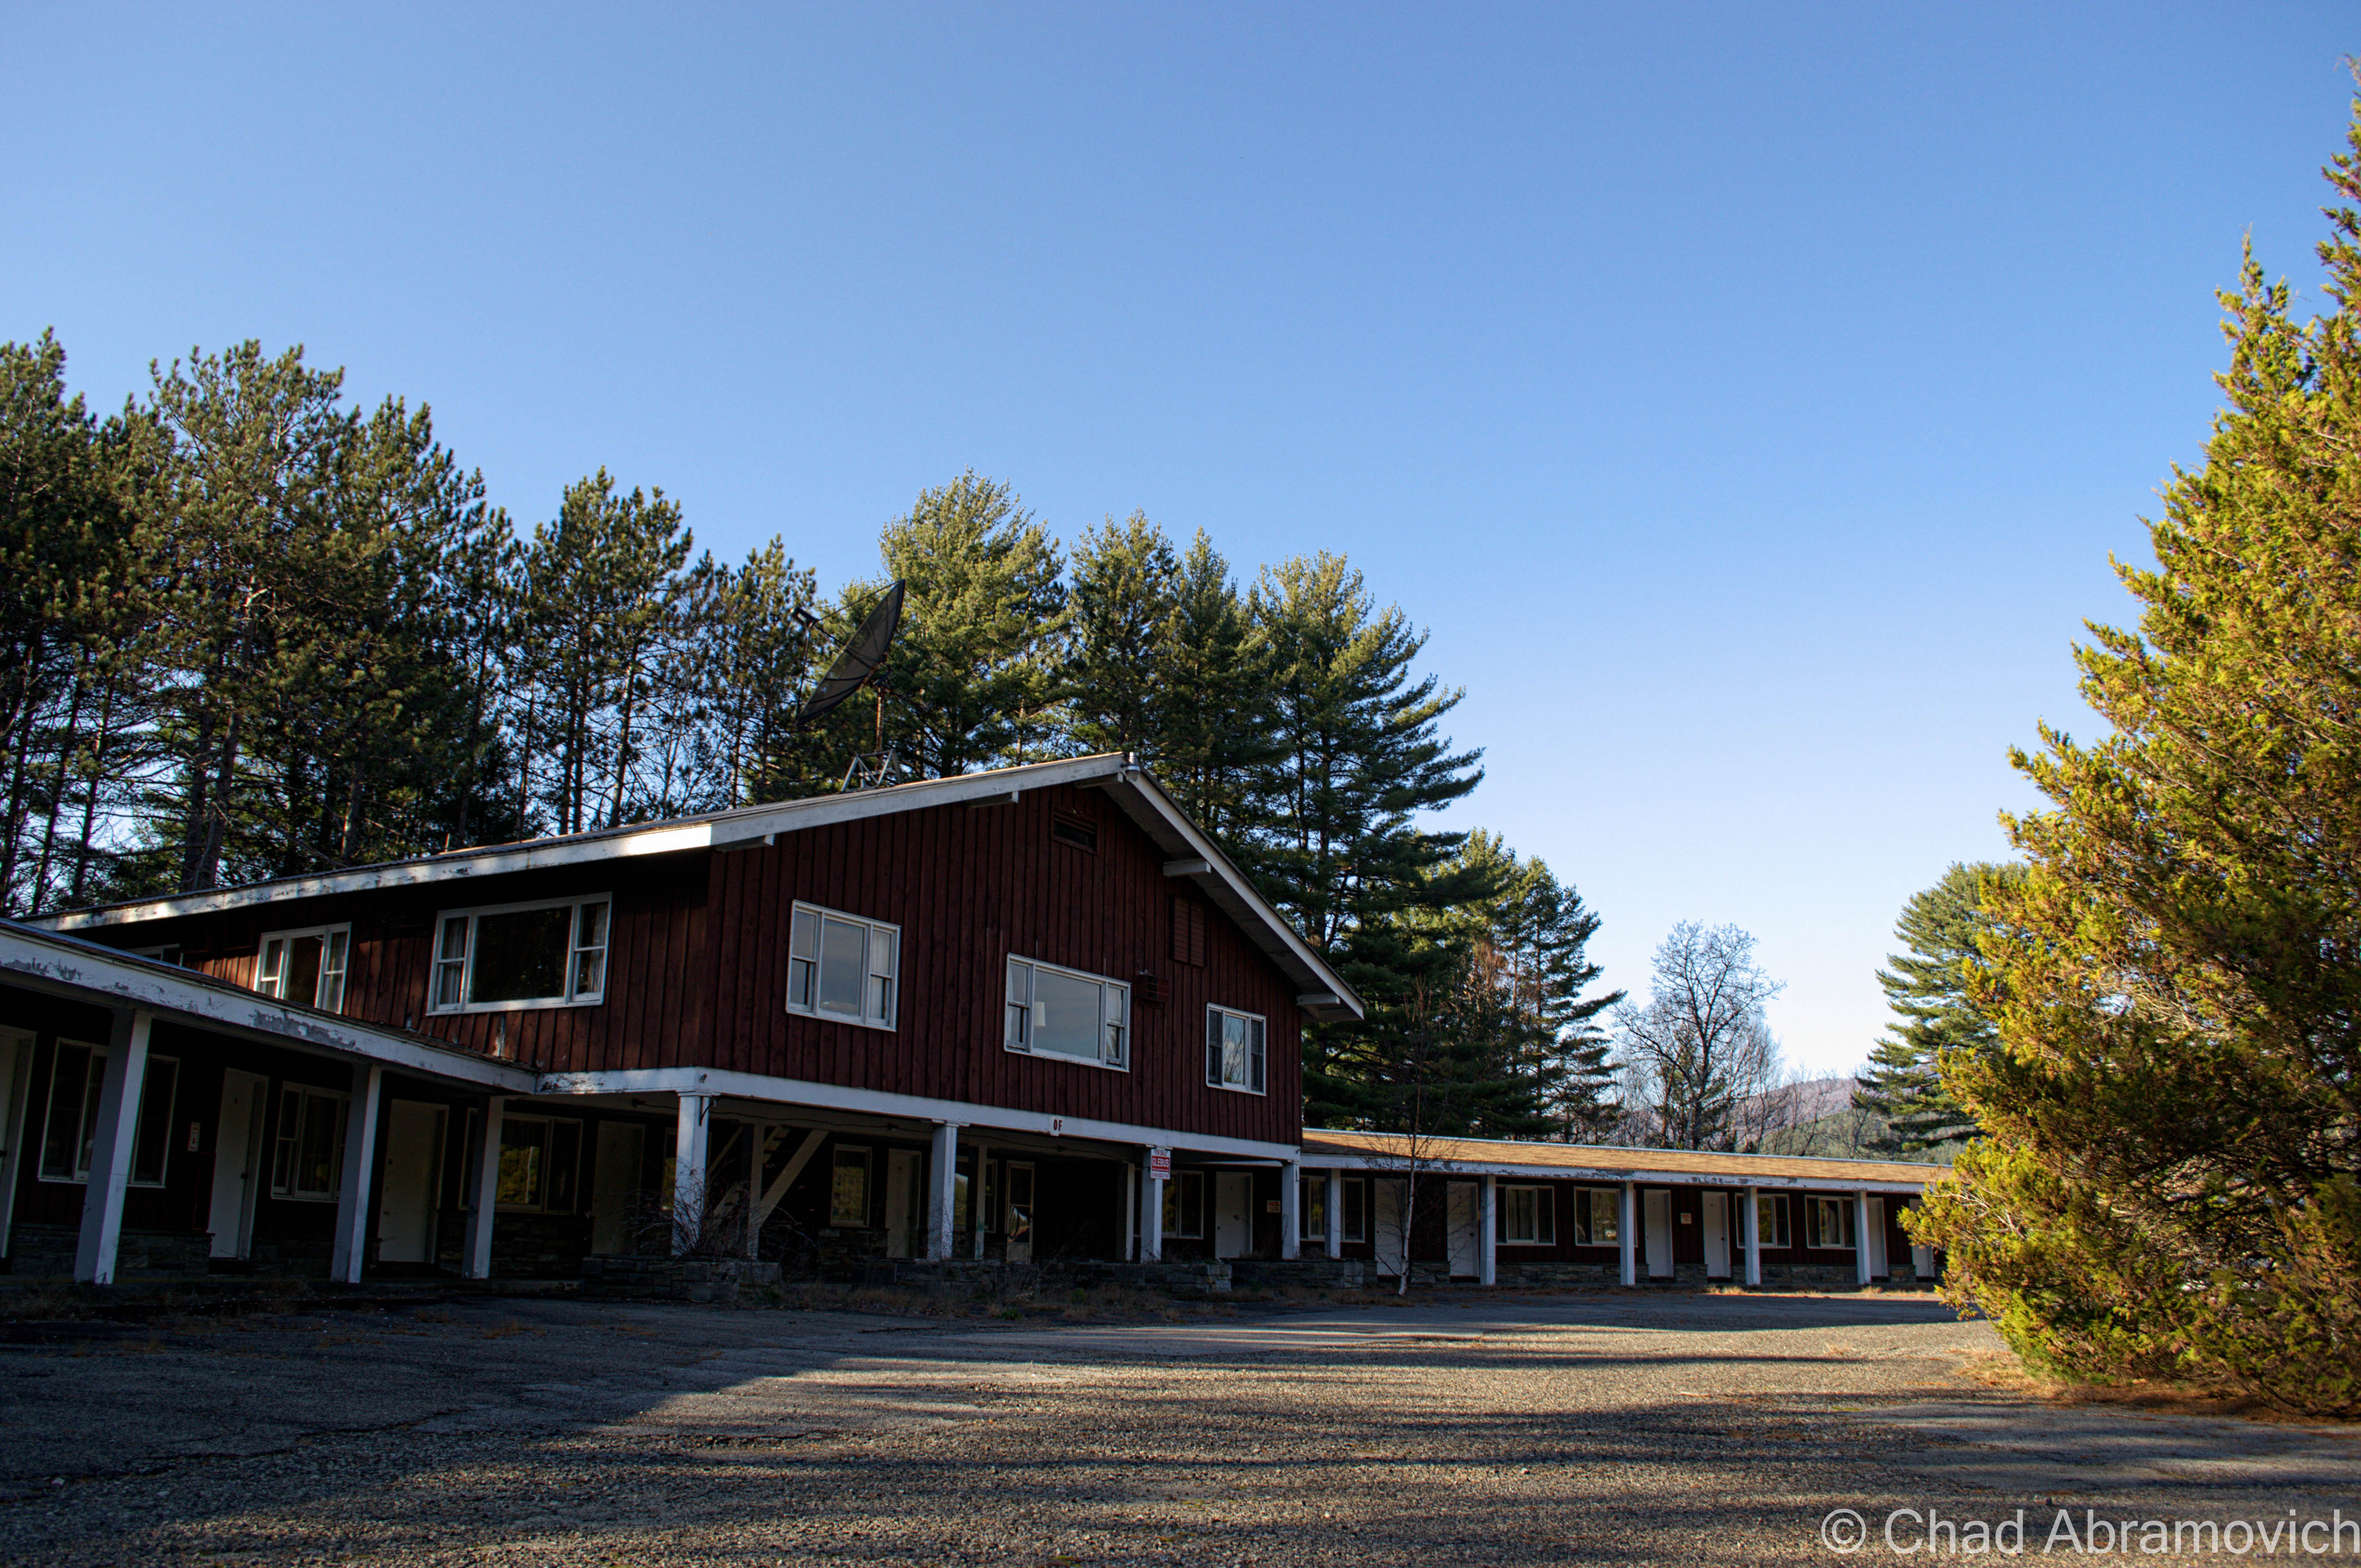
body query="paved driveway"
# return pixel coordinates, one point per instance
(1605, 1428)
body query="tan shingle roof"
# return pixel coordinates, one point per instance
(1622, 1164)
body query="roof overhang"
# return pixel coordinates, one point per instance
(1320, 991)
(1616, 1165)
(78, 970)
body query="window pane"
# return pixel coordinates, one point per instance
(591, 950)
(1212, 1048)
(59, 1144)
(454, 939)
(1234, 1051)
(1020, 1006)
(521, 956)
(315, 1145)
(331, 994)
(1606, 1216)
(300, 981)
(1314, 1207)
(153, 1144)
(843, 964)
(523, 1151)
(1255, 1052)
(1356, 1213)
(267, 967)
(799, 982)
(1065, 1015)
(848, 1202)
(803, 935)
(93, 1080)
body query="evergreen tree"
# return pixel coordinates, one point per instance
(2170, 1180)
(1122, 603)
(601, 590)
(1338, 845)
(756, 657)
(1216, 746)
(975, 678)
(1927, 986)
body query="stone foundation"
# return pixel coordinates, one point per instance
(47, 1251)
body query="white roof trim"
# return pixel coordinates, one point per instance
(911, 1107)
(1142, 799)
(84, 972)
(1398, 1165)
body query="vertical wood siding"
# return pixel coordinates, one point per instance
(697, 964)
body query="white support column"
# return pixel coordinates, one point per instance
(976, 1212)
(942, 1190)
(1624, 1236)
(355, 1215)
(691, 1131)
(1130, 1221)
(1860, 1236)
(1335, 1214)
(110, 1154)
(1487, 1249)
(484, 1194)
(1752, 1198)
(1290, 1210)
(1151, 1212)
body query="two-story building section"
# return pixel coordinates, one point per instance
(989, 1016)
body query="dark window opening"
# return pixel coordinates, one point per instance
(1073, 830)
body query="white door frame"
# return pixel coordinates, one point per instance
(1659, 1237)
(1716, 1235)
(237, 1162)
(1232, 1229)
(1460, 1211)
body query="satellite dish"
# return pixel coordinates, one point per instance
(860, 660)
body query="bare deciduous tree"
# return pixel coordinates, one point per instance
(1699, 1050)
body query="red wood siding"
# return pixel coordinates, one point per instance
(698, 965)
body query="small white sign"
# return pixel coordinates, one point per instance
(1159, 1165)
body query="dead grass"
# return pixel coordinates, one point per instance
(2001, 1370)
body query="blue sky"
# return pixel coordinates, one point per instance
(1746, 398)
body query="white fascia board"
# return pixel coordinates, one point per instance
(80, 973)
(908, 1107)
(1382, 1164)
(741, 828)
(1222, 878)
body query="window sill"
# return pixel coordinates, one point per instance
(1240, 1088)
(84, 1181)
(527, 1006)
(816, 1016)
(1060, 1056)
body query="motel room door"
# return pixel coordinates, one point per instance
(414, 1160)
(1875, 1240)
(237, 1162)
(622, 1145)
(903, 1186)
(1466, 1259)
(1716, 1235)
(1658, 1230)
(1233, 1214)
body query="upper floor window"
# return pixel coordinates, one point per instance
(840, 966)
(305, 966)
(1066, 1013)
(1234, 1051)
(522, 955)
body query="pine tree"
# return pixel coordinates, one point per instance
(1927, 986)
(2169, 1183)
(973, 678)
(756, 657)
(1337, 845)
(1216, 745)
(1121, 603)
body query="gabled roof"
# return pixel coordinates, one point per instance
(1476, 1157)
(1193, 855)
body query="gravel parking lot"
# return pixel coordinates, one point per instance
(1602, 1428)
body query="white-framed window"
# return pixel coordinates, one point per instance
(540, 1159)
(1355, 1202)
(1184, 1204)
(70, 1127)
(305, 966)
(1832, 1223)
(1066, 1013)
(307, 1159)
(1771, 1220)
(1528, 1216)
(842, 967)
(1597, 1215)
(1313, 1209)
(848, 1188)
(548, 954)
(1234, 1051)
